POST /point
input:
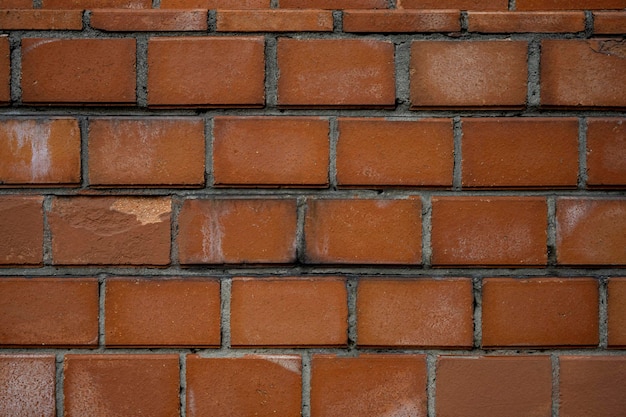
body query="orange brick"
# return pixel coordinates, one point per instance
(520, 153)
(41, 19)
(519, 22)
(121, 385)
(178, 68)
(489, 231)
(271, 151)
(289, 312)
(215, 4)
(237, 231)
(162, 312)
(364, 231)
(568, 4)
(21, 228)
(368, 385)
(148, 20)
(5, 70)
(274, 21)
(39, 151)
(616, 310)
(465, 74)
(512, 386)
(592, 386)
(540, 312)
(387, 152)
(591, 231)
(74, 71)
(334, 4)
(49, 312)
(454, 4)
(336, 73)
(609, 23)
(147, 151)
(606, 153)
(415, 313)
(97, 4)
(27, 385)
(110, 230)
(401, 21)
(259, 385)
(583, 73)
(17, 4)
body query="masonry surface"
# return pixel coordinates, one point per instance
(313, 208)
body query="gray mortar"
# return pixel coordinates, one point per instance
(209, 139)
(333, 140)
(426, 231)
(431, 384)
(225, 294)
(300, 237)
(142, 71)
(59, 383)
(15, 45)
(177, 205)
(512, 5)
(337, 21)
(603, 322)
(83, 126)
(101, 311)
(47, 234)
(37, 4)
(306, 384)
(551, 232)
(271, 72)
(352, 289)
(477, 283)
(457, 170)
(582, 153)
(533, 96)
(182, 395)
(212, 21)
(402, 64)
(156, 4)
(555, 384)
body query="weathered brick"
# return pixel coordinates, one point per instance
(519, 22)
(178, 68)
(41, 19)
(147, 151)
(124, 20)
(568, 4)
(274, 21)
(401, 21)
(5, 70)
(289, 312)
(237, 231)
(609, 23)
(454, 4)
(271, 151)
(616, 311)
(215, 4)
(37, 312)
(162, 312)
(336, 73)
(27, 385)
(96, 4)
(415, 313)
(334, 4)
(21, 228)
(363, 231)
(76, 71)
(606, 153)
(395, 153)
(17, 4)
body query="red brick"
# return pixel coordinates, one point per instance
(17, 4)
(489, 231)
(27, 385)
(401, 21)
(616, 310)
(259, 385)
(415, 313)
(178, 68)
(271, 151)
(519, 22)
(609, 23)
(388, 152)
(606, 153)
(465, 74)
(368, 385)
(121, 385)
(583, 73)
(520, 153)
(505, 386)
(21, 228)
(41, 19)
(592, 386)
(97, 4)
(568, 4)
(154, 151)
(288, 312)
(5, 70)
(274, 21)
(336, 73)
(334, 4)
(237, 231)
(148, 20)
(39, 151)
(548, 312)
(110, 230)
(454, 4)
(364, 231)
(591, 231)
(162, 312)
(215, 4)
(49, 312)
(74, 71)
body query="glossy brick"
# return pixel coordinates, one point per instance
(609, 23)
(41, 19)
(606, 153)
(415, 313)
(393, 21)
(27, 385)
(288, 312)
(520, 22)
(21, 228)
(117, 20)
(454, 4)
(162, 312)
(616, 311)
(38, 312)
(5, 70)
(274, 21)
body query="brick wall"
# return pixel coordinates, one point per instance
(370, 207)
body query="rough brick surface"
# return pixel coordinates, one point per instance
(568, 4)
(334, 4)
(5, 70)
(401, 21)
(49, 312)
(96, 4)
(540, 312)
(454, 4)
(148, 20)
(415, 313)
(41, 19)
(274, 21)
(27, 385)
(271, 151)
(288, 312)
(519, 22)
(368, 386)
(215, 4)
(17, 4)
(606, 152)
(21, 228)
(617, 312)
(609, 23)
(162, 312)
(260, 385)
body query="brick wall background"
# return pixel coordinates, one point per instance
(316, 208)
